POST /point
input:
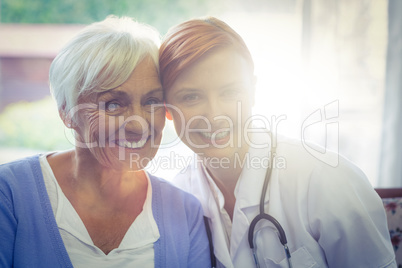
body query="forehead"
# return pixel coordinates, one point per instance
(218, 66)
(146, 68)
(145, 77)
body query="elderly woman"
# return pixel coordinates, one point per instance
(331, 216)
(94, 205)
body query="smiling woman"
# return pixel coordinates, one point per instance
(94, 205)
(117, 122)
(215, 108)
(243, 174)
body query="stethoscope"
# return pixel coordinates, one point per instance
(261, 216)
(265, 216)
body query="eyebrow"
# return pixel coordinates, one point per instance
(235, 83)
(116, 93)
(192, 89)
(155, 91)
(187, 89)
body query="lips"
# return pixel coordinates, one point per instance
(217, 136)
(220, 138)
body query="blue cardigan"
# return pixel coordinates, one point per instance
(29, 236)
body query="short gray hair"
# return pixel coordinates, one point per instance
(101, 57)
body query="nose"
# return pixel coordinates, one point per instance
(213, 109)
(136, 123)
(216, 112)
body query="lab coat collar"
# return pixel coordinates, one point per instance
(248, 189)
(200, 189)
(251, 181)
(247, 192)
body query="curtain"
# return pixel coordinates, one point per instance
(390, 171)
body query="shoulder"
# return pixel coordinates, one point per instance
(318, 172)
(19, 182)
(19, 165)
(173, 207)
(19, 172)
(190, 176)
(171, 193)
(314, 159)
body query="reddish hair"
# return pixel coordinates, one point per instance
(187, 42)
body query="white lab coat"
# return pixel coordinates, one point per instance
(332, 217)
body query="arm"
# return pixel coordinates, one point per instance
(8, 225)
(183, 241)
(347, 218)
(199, 253)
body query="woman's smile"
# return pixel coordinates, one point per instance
(132, 145)
(129, 121)
(213, 101)
(216, 137)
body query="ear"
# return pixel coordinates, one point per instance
(66, 119)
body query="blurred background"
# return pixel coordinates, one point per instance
(337, 61)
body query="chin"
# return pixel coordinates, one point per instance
(217, 153)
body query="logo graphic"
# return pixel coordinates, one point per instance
(325, 122)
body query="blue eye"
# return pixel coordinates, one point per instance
(153, 101)
(112, 106)
(153, 104)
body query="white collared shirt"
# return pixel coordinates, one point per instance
(332, 217)
(220, 201)
(135, 250)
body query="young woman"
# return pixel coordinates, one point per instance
(330, 216)
(94, 205)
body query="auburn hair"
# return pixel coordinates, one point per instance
(187, 42)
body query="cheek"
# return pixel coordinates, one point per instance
(245, 112)
(89, 121)
(96, 124)
(232, 109)
(158, 120)
(181, 120)
(178, 126)
(238, 112)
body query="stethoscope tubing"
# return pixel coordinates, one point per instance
(261, 216)
(264, 216)
(282, 235)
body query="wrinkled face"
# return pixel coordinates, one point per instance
(210, 103)
(122, 127)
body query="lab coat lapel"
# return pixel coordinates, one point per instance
(248, 194)
(200, 189)
(218, 238)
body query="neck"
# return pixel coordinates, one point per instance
(227, 174)
(226, 179)
(88, 177)
(107, 201)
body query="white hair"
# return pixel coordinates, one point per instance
(101, 57)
